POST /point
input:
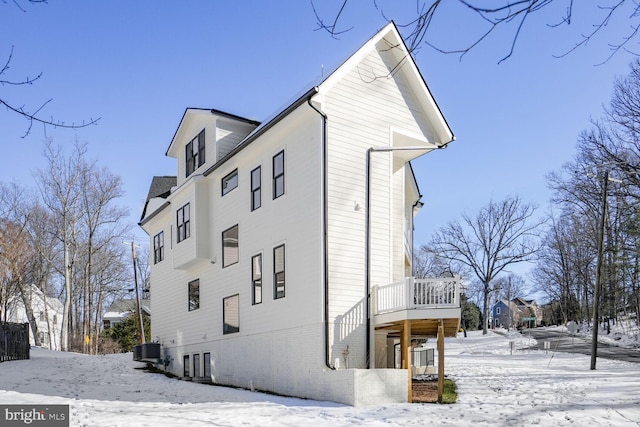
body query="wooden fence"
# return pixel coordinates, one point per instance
(14, 341)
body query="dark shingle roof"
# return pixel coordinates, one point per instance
(161, 186)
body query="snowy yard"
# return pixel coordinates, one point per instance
(495, 388)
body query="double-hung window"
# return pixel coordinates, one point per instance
(230, 251)
(256, 279)
(278, 175)
(231, 314)
(194, 153)
(194, 295)
(278, 271)
(256, 184)
(183, 222)
(158, 247)
(230, 182)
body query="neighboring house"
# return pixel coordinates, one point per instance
(514, 313)
(120, 309)
(47, 311)
(528, 309)
(505, 314)
(283, 252)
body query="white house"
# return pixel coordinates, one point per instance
(283, 250)
(47, 312)
(120, 309)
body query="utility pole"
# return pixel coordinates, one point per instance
(135, 279)
(596, 293)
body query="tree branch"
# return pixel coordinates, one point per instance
(33, 116)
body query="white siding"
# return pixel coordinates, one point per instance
(280, 344)
(276, 333)
(228, 135)
(190, 128)
(362, 108)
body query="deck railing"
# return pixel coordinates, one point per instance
(412, 293)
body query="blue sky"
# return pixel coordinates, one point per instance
(138, 65)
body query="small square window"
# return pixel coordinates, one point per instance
(230, 182)
(230, 251)
(194, 295)
(231, 314)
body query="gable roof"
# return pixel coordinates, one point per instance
(125, 306)
(190, 110)
(406, 66)
(160, 187)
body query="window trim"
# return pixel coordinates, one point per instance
(196, 365)
(276, 272)
(278, 177)
(237, 257)
(254, 280)
(186, 368)
(256, 190)
(158, 247)
(223, 188)
(183, 230)
(192, 163)
(196, 295)
(225, 328)
(206, 372)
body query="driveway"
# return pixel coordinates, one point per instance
(569, 343)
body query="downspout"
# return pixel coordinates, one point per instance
(367, 257)
(367, 238)
(325, 255)
(417, 205)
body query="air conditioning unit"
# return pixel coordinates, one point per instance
(137, 352)
(150, 352)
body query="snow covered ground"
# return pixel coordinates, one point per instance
(495, 388)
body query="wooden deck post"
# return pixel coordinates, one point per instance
(406, 358)
(440, 360)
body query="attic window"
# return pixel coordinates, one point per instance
(195, 153)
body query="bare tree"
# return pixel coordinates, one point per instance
(59, 189)
(426, 263)
(502, 234)
(565, 271)
(493, 15)
(34, 115)
(102, 222)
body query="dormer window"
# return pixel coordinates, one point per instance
(195, 153)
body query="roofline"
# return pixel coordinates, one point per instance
(260, 131)
(424, 82)
(212, 111)
(144, 220)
